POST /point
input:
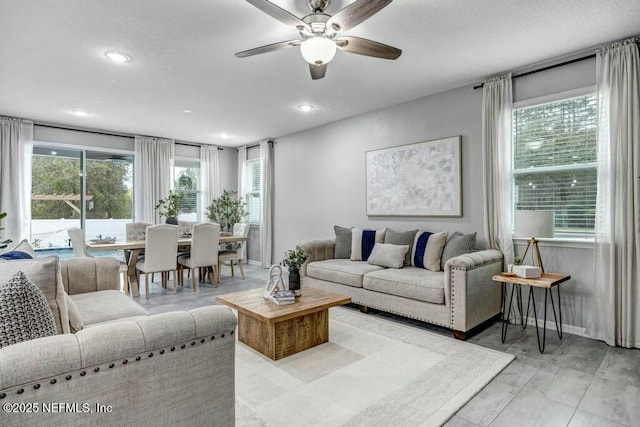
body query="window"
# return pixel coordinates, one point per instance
(254, 190)
(554, 162)
(59, 202)
(186, 180)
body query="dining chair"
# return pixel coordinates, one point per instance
(78, 242)
(236, 254)
(161, 248)
(136, 229)
(205, 240)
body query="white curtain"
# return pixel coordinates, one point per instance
(242, 183)
(242, 171)
(16, 148)
(153, 173)
(210, 176)
(497, 106)
(266, 198)
(615, 314)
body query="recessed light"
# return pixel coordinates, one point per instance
(118, 57)
(305, 107)
(80, 113)
(187, 111)
(224, 135)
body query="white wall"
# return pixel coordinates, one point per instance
(320, 174)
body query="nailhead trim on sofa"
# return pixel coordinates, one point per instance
(19, 389)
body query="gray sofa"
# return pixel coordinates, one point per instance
(123, 367)
(460, 298)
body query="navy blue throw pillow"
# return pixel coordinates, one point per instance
(16, 255)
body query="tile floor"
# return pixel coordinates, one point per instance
(576, 382)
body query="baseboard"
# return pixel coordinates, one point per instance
(254, 262)
(551, 325)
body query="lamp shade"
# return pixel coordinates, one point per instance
(318, 50)
(533, 224)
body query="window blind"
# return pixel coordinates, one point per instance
(186, 175)
(554, 162)
(254, 168)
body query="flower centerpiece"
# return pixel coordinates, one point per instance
(227, 210)
(293, 260)
(170, 207)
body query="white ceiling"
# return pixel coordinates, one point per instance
(52, 60)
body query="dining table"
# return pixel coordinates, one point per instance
(132, 249)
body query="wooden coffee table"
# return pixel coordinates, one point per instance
(279, 331)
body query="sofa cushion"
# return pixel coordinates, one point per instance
(363, 241)
(410, 282)
(24, 312)
(341, 271)
(75, 320)
(45, 274)
(103, 306)
(427, 249)
(402, 238)
(388, 255)
(458, 244)
(343, 242)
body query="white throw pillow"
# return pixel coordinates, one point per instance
(363, 241)
(388, 255)
(427, 249)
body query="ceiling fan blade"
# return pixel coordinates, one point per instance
(318, 71)
(280, 14)
(356, 13)
(268, 48)
(367, 47)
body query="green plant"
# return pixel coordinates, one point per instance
(170, 205)
(4, 243)
(294, 259)
(517, 260)
(227, 210)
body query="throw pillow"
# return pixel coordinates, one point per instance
(401, 238)
(343, 242)
(23, 246)
(15, 255)
(75, 320)
(427, 250)
(45, 273)
(363, 241)
(458, 244)
(388, 255)
(24, 312)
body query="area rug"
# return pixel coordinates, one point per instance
(372, 371)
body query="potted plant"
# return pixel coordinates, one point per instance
(293, 260)
(516, 261)
(4, 243)
(170, 207)
(227, 210)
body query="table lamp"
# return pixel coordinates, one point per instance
(533, 224)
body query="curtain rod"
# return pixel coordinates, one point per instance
(257, 145)
(126, 135)
(572, 61)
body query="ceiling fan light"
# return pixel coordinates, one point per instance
(318, 50)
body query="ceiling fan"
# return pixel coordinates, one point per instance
(320, 33)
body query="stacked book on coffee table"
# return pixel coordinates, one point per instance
(283, 297)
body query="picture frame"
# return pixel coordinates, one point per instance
(419, 179)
